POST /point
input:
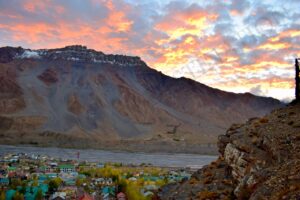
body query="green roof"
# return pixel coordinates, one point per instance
(43, 167)
(151, 178)
(11, 168)
(42, 176)
(66, 166)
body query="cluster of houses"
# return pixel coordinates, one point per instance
(41, 177)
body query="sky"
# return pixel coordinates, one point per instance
(233, 45)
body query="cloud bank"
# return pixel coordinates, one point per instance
(232, 45)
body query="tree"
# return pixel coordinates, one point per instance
(35, 183)
(2, 195)
(54, 184)
(39, 195)
(79, 182)
(15, 183)
(115, 178)
(122, 185)
(18, 196)
(23, 190)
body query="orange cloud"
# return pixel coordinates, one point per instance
(194, 47)
(179, 24)
(117, 19)
(275, 46)
(277, 42)
(287, 33)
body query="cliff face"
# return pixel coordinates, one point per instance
(94, 99)
(258, 160)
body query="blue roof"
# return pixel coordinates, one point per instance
(108, 190)
(44, 188)
(30, 196)
(70, 182)
(31, 192)
(4, 180)
(151, 178)
(43, 177)
(105, 190)
(9, 194)
(51, 175)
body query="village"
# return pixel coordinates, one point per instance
(37, 177)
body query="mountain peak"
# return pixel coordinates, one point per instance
(76, 53)
(76, 47)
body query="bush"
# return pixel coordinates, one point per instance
(207, 195)
(39, 195)
(2, 195)
(193, 181)
(263, 120)
(54, 184)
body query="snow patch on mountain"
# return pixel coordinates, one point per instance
(30, 54)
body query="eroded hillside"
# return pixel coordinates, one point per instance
(79, 97)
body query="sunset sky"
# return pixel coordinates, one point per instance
(233, 45)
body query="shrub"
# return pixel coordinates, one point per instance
(2, 195)
(193, 181)
(263, 120)
(207, 180)
(207, 195)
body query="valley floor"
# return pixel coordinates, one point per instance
(148, 146)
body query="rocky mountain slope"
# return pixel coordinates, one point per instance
(78, 97)
(258, 160)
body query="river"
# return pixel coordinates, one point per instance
(156, 159)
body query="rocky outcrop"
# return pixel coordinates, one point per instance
(7, 54)
(11, 94)
(49, 76)
(74, 105)
(258, 160)
(76, 53)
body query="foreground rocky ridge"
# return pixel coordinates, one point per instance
(258, 160)
(79, 97)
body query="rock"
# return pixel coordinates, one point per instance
(223, 140)
(296, 124)
(49, 76)
(264, 165)
(74, 105)
(7, 54)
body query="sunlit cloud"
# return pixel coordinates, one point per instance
(238, 46)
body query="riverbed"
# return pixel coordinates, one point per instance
(156, 159)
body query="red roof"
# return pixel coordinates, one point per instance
(86, 197)
(121, 195)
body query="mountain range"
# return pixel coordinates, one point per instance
(79, 97)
